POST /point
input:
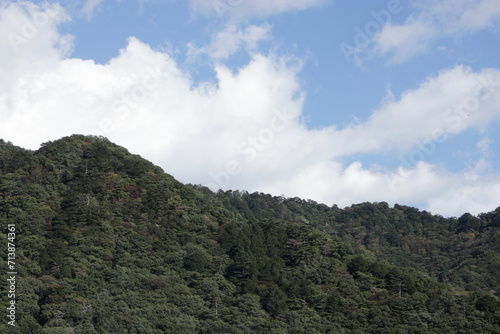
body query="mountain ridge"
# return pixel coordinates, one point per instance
(110, 243)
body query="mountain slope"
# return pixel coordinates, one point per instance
(106, 242)
(464, 251)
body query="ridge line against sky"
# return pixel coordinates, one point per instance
(339, 102)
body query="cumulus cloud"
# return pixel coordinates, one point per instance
(475, 197)
(245, 129)
(432, 21)
(30, 39)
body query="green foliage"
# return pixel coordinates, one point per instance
(109, 243)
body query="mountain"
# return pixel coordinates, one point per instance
(462, 251)
(106, 242)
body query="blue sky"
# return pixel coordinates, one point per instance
(338, 101)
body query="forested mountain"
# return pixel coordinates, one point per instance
(106, 242)
(463, 251)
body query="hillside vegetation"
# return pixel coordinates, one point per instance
(106, 242)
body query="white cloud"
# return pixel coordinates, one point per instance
(404, 41)
(484, 146)
(244, 131)
(455, 100)
(90, 7)
(434, 20)
(474, 15)
(232, 39)
(30, 39)
(239, 10)
(475, 197)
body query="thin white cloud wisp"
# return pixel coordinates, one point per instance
(432, 21)
(241, 10)
(232, 39)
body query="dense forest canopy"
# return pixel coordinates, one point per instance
(107, 242)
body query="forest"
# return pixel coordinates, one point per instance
(107, 242)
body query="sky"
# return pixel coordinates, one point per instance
(337, 101)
